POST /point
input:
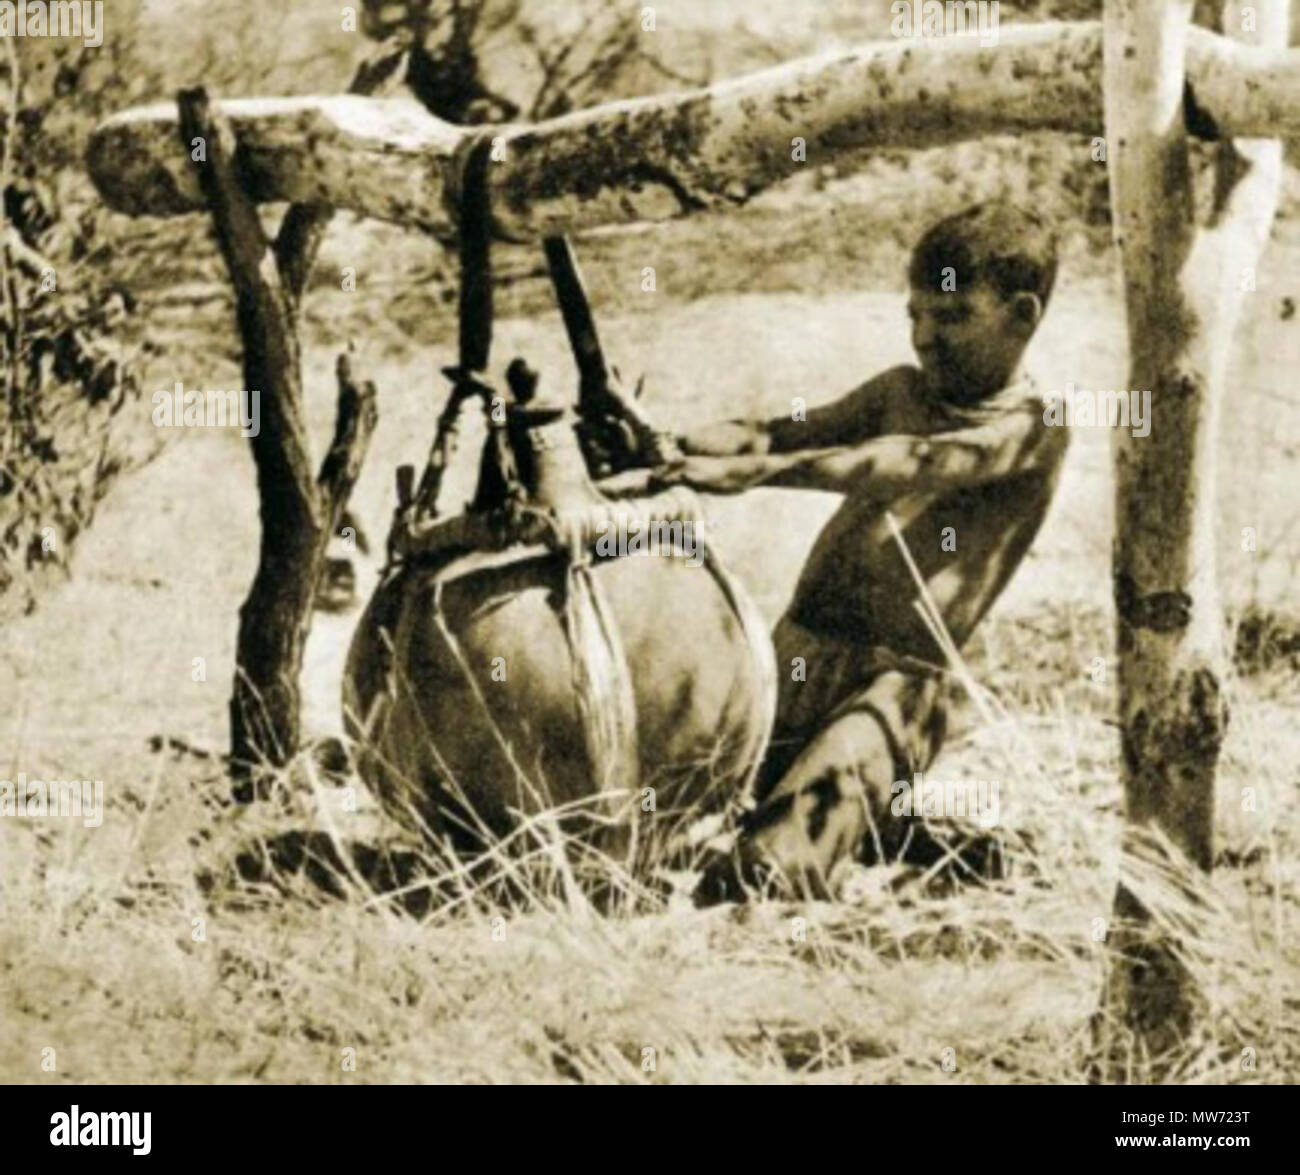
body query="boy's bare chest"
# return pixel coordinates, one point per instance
(857, 579)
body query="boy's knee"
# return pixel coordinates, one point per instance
(833, 801)
(800, 833)
(834, 794)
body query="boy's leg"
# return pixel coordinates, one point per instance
(815, 672)
(834, 799)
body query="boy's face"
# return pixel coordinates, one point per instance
(969, 343)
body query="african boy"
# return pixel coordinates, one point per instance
(957, 442)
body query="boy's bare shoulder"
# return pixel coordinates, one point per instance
(893, 385)
(865, 412)
(902, 380)
(897, 388)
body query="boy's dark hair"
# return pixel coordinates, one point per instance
(997, 242)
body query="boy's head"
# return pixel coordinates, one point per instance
(980, 283)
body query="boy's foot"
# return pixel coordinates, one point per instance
(744, 872)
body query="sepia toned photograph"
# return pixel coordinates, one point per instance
(701, 543)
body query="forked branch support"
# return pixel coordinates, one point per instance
(300, 507)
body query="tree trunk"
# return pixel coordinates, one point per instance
(299, 510)
(1184, 290)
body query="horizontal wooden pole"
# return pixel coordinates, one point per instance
(383, 157)
(652, 158)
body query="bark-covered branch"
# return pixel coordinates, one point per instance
(354, 424)
(299, 508)
(649, 158)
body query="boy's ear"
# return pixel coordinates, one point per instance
(1027, 309)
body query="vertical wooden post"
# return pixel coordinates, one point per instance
(300, 508)
(1184, 290)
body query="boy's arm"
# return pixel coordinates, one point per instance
(850, 419)
(725, 438)
(1018, 442)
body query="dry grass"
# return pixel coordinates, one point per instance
(102, 962)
